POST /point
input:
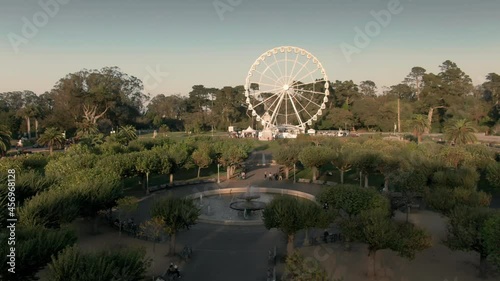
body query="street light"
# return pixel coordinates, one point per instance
(218, 173)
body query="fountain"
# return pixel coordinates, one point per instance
(247, 206)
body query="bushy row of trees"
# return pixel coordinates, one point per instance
(52, 191)
(445, 177)
(108, 98)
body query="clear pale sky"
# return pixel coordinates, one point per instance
(197, 44)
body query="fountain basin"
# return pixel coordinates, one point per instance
(216, 204)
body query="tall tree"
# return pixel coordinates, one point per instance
(415, 80)
(419, 124)
(368, 88)
(178, 214)
(5, 138)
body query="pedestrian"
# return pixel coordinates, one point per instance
(265, 175)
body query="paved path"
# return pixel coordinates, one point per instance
(230, 252)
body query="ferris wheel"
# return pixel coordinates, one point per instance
(287, 86)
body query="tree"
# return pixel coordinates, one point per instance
(491, 235)
(465, 227)
(419, 124)
(127, 133)
(315, 157)
(461, 132)
(177, 213)
(5, 138)
(493, 174)
(34, 247)
(202, 157)
(126, 205)
(179, 156)
(368, 88)
(153, 229)
(299, 268)
(94, 95)
(147, 163)
(342, 159)
(415, 80)
(287, 155)
(51, 137)
(117, 264)
(492, 88)
(286, 214)
(366, 161)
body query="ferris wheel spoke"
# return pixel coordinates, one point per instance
(312, 92)
(297, 74)
(277, 108)
(303, 108)
(308, 74)
(270, 85)
(296, 111)
(265, 100)
(296, 84)
(271, 69)
(268, 77)
(293, 68)
(278, 65)
(319, 106)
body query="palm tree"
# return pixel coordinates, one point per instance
(419, 125)
(51, 137)
(4, 140)
(462, 132)
(127, 133)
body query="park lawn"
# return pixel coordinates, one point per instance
(184, 174)
(351, 177)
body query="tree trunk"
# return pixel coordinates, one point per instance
(483, 265)
(171, 249)
(399, 115)
(429, 120)
(360, 179)
(287, 172)
(50, 149)
(36, 128)
(386, 185)
(171, 178)
(306, 238)
(147, 183)
(419, 138)
(341, 176)
(28, 125)
(289, 246)
(314, 173)
(371, 264)
(199, 169)
(366, 180)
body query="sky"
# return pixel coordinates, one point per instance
(174, 44)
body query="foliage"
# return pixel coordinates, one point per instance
(493, 174)
(51, 137)
(34, 247)
(117, 264)
(5, 138)
(445, 200)
(491, 235)
(299, 268)
(315, 157)
(461, 132)
(465, 228)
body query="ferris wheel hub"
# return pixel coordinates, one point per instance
(286, 87)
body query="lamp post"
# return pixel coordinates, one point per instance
(218, 173)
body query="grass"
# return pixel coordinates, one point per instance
(183, 174)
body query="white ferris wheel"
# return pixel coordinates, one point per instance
(287, 87)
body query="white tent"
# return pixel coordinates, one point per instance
(249, 130)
